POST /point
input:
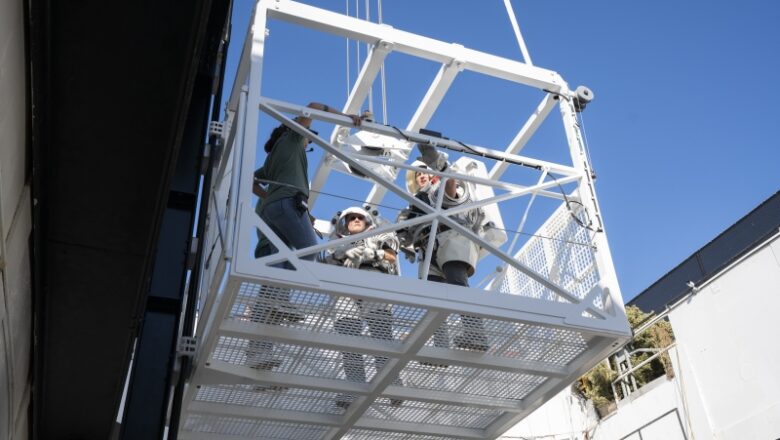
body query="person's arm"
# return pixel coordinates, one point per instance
(319, 106)
(451, 188)
(390, 256)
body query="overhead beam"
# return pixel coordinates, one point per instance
(414, 137)
(415, 45)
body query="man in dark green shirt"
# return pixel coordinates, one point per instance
(282, 206)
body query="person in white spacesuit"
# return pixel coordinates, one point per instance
(454, 256)
(376, 253)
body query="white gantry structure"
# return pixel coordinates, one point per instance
(551, 306)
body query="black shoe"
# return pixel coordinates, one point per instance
(286, 312)
(472, 342)
(269, 388)
(343, 401)
(433, 364)
(268, 364)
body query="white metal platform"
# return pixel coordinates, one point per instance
(550, 313)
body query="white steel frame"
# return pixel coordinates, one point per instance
(598, 316)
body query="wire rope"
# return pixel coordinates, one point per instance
(371, 87)
(346, 2)
(382, 69)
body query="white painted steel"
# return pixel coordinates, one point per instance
(551, 315)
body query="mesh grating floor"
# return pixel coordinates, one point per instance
(365, 434)
(292, 359)
(471, 381)
(320, 312)
(510, 339)
(263, 429)
(432, 413)
(264, 396)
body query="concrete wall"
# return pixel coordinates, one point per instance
(729, 352)
(652, 414)
(15, 221)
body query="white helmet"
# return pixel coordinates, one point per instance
(340, 220)
(411, 180)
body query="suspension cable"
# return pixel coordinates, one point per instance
(346, 2)
(382, 70)
(371, 87)
(518, 35)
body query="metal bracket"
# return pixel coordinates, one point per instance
(216, 128)
(187, 346)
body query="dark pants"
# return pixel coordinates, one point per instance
(293, 226)
(379, 327)
(456, 272)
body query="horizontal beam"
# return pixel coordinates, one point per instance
(309, 418)
(452, 398)
(415, 137)
(415, 45)
(327, 341)
(482, 361)
(420, 428)
(223, 373)
(263, 413)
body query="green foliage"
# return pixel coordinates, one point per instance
(596, 385)
(660, 335)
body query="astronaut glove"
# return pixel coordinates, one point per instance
(352, 263)
(434, 158)
(354, 256)
(340, 253)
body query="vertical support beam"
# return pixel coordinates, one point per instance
(243, 189)
(151, 378)
(212, 319)
(524, 135)
(376, 57)
(613, 303)
(424, 112)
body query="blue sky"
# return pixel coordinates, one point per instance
(682, 131)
